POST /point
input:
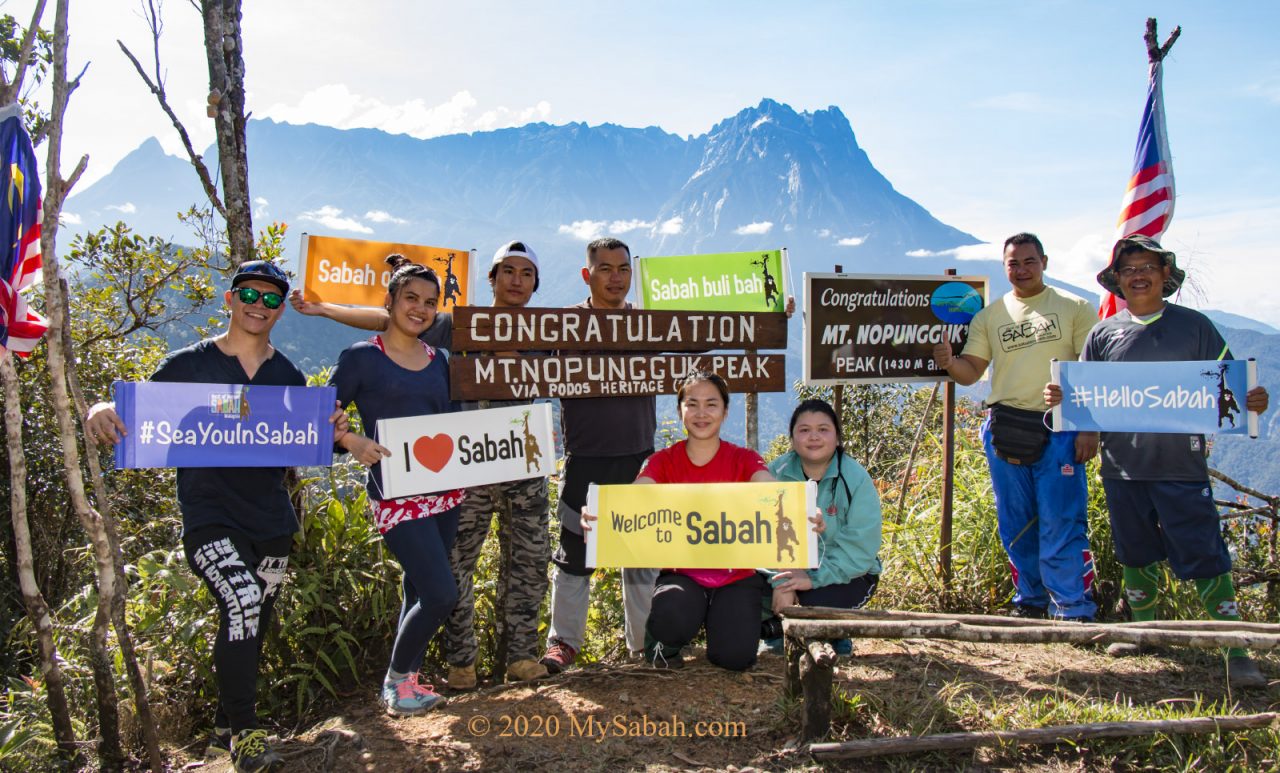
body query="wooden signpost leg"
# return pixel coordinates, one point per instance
(753, 417)
(948, 483)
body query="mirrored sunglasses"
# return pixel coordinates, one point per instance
(249, 296)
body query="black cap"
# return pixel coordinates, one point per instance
(264, 270)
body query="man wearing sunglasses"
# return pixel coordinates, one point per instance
(237, 523)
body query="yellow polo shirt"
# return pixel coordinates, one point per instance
(1020, 336)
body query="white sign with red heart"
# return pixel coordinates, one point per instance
(465, 449)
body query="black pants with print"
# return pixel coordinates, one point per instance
(243, 577)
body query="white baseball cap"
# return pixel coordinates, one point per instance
(516, 249)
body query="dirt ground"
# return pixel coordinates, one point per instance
(632, 717)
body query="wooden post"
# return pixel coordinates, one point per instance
(753, 417)
(948, 484)
(815, 680)
(791, 650)
(839, 390)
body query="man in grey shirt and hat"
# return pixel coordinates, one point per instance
(1157, 484)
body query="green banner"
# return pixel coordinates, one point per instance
(731, 281)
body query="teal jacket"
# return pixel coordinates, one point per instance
(849, 501)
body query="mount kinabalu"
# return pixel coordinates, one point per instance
(804, 173)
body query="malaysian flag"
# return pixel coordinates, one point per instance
(20, 218)
(1148, 202)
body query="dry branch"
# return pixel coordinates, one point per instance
(1238, 486)
(874, 747)
(197, 161)
(10, 91)
(832, 613)
(1156, 52)
(1067, 633)
(33, 601)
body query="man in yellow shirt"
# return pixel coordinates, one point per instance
(1038, 476)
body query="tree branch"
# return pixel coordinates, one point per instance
(210, 189)
(12, 90)
(1156, 52)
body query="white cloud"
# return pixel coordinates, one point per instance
(824, 233)
(758, 228)
(587, 230)
(967, 252)
(851, 241)
(671, 227)
(260, 207)
(336, 105)
(583, 230)
(331, 217)
(70, 218)
(380, 216)
(126, 208)
(626, 226)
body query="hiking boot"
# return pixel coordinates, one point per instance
(773, 646)
(406, 698)
(251, 754)
(1028, 612)
(661, 656)
(1243, 672)
(219, 742)
(462, 677)
(524, 670)
(559, 656)
(1082, 619)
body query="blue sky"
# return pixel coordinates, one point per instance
(996, 116)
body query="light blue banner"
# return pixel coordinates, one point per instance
(224, 425)
(1194, 397)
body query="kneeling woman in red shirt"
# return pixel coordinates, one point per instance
(726, 601)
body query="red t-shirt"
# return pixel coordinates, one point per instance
(731, 464)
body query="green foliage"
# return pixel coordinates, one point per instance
(335, 615)
(39, 64)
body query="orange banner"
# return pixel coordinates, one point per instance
(354, 272)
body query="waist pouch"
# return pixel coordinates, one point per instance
(1018, 436)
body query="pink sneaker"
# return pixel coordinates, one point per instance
(405, 697)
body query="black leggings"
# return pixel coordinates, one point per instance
(731, 614)
(853, 594)
(243, 577)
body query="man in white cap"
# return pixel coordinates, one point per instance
(523, 516)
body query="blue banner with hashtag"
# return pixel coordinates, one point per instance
(223, 425)
(1194, 397)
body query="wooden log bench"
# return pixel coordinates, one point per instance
(811, 660)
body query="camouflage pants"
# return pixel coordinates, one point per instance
(522, 510)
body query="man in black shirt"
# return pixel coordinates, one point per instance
(237, 523)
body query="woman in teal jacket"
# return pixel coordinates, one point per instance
(850, 567)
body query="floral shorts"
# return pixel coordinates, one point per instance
(388, 513)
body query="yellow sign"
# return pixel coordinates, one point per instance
(703, 526)
(354, 272)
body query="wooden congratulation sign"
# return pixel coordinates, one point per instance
(874, 329)
(510, 329)
(505, 377)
